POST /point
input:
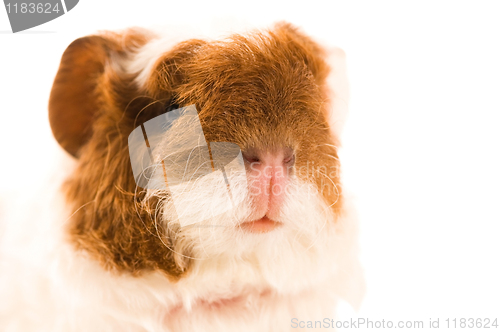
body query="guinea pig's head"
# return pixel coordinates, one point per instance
(264, 92)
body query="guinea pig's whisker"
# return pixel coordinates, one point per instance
(136, 205)
(142, 109)
(161, 202)
(328, 144)
(334, 186)
(333, 157)
(325, 209)
(81, 207)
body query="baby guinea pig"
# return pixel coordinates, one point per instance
(131, 256)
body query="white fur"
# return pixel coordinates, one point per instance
(237, 282)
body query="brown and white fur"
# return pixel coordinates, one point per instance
(97, 253)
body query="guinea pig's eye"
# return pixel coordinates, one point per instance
(170, 107)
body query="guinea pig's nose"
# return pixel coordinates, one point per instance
(268, 174)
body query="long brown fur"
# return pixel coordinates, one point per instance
(264, 89)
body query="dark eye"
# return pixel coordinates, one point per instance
(170, 107)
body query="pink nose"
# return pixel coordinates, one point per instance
(268, 171)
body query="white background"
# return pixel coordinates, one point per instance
(421, 145)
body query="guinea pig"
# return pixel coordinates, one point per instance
(241, 222)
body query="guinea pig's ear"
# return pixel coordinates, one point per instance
(328, 66)
(75, 100)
